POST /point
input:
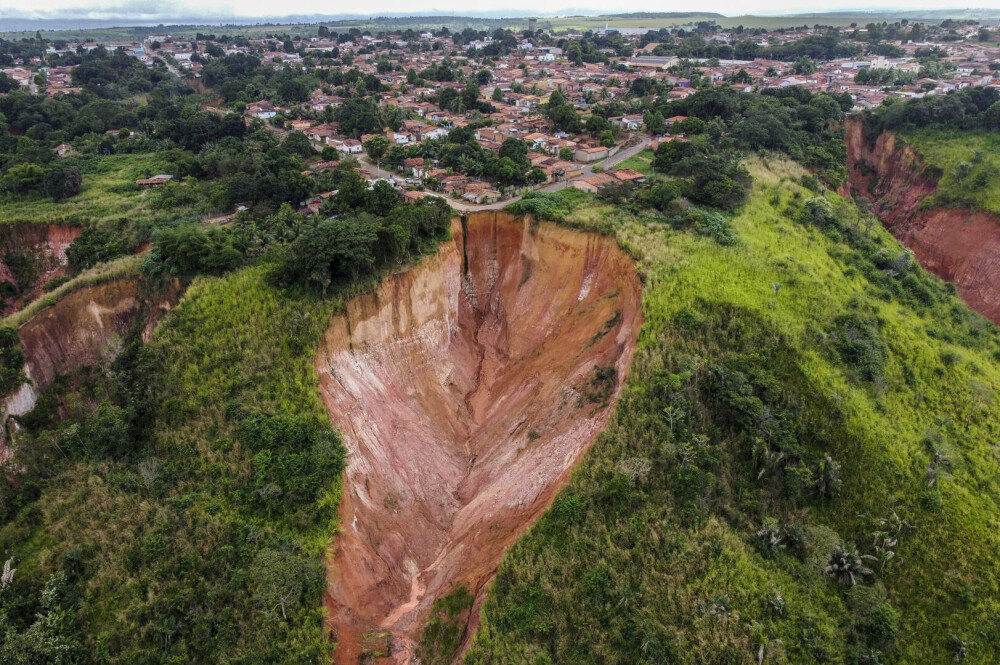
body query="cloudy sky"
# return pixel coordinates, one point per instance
(151, 10)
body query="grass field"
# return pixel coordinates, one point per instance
(641, 162)
(969, 163)
(654, 553)
(109, 194)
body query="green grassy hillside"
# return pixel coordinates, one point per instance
(109, 194)
(805, 388)
(168, 524)
(801, 390)
(969, 164)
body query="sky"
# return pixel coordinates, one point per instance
(154, 9)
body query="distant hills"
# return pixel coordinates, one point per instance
(29, 22)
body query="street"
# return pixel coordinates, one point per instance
(588, 170)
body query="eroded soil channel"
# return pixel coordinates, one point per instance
(466, 389)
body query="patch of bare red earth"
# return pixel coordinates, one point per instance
(46, 244)
(460, 387)
(958, 245)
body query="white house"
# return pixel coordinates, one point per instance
(349, 146)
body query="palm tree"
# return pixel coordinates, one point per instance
(828, 477)
(846, 565)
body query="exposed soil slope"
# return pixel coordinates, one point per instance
(82, 329)
(45, 245)
(464, 388)
(961, 246)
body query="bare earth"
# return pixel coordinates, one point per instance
(436, 381)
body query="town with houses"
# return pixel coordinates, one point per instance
(515, 75)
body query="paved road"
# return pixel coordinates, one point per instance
(588, 170)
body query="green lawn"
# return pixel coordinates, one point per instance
(969, 164)
(641, 162)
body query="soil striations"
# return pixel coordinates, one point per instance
(467, 388)
(41, 251)
(83, 328)
(958, 245)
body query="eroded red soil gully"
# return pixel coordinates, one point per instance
(461, 389)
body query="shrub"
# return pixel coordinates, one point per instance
(859, 344)
(56, 282)
(847, 566)
(94, 246)
(293, 458)
(443, 632)
(62, 182)
(279, 580)
(11, 361)
(191, 249)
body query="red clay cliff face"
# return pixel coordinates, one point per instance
(83, 328)
(961, 246)
(461, 389)
(46, 243)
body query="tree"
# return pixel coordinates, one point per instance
(536, 176)
(804, 66)
(53, 637)
(7, 84)
(191, 249)
(23, 178)
(94, 246)
(352, 191)
(11, 360)
(515, 149)
(565, 117)
(607, 138)
(333, 249)
(382, 199)
(298, 143)
(62, 182)
(376, 146)
(446, 98)
(597, 124)
(358, 116)
(655, 124)
(692, 125)
(662, 194)
(566, 154)
(470, 95)
(845, 564)
(277, 580)
(497, 94)
(556, 99)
